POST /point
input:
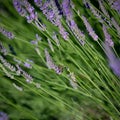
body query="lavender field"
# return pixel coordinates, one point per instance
(59, 60)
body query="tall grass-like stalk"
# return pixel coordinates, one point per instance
(59, 60)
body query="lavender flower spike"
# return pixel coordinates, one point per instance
(107, 36)
(101, 4)
(89, 28)
(66, 9)
(50, 63)
(38, 2)
(27, 65)
(116, 5)
(69, 19)
(116, 25)
(3, 49)
(19, 8)
(6, 33)
(114, 62)
(30, 9)
(3, 116)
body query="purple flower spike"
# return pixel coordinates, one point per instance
(116, 25)
(27, 65)
(28, 12)
(63, 32)
(31, 17)
(114, 62)
(3, 116)
(89, 28)
(3, 49)
(66, 9)
(31, 9)
(27, 5)
(116, 5)
(10, 35)
(115, 66)
(51, 64)
(107, 36)
(38, 2)
(32, 14)
(51, 9)
(7, 33)
(45, 5)
(69, 19)
(19, 8)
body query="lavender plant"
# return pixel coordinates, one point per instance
(59, 60)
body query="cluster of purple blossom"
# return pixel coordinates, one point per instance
(51, 11)
(50, 63)
(35, 42)
(101, 18)
(28, 64)
(3, 50)
(115, 24)
(77, 32)
(66, 5)
(7, 64)
(101, 4)
(116, 5)
(8, 74)
(6, 33)
(4, 64)
(3, 116)
(67, 10)
(25, 9)
(89, 29)
(114, 62)
(92, 9)
(27, 76)
(107, 36)
(18, 70)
